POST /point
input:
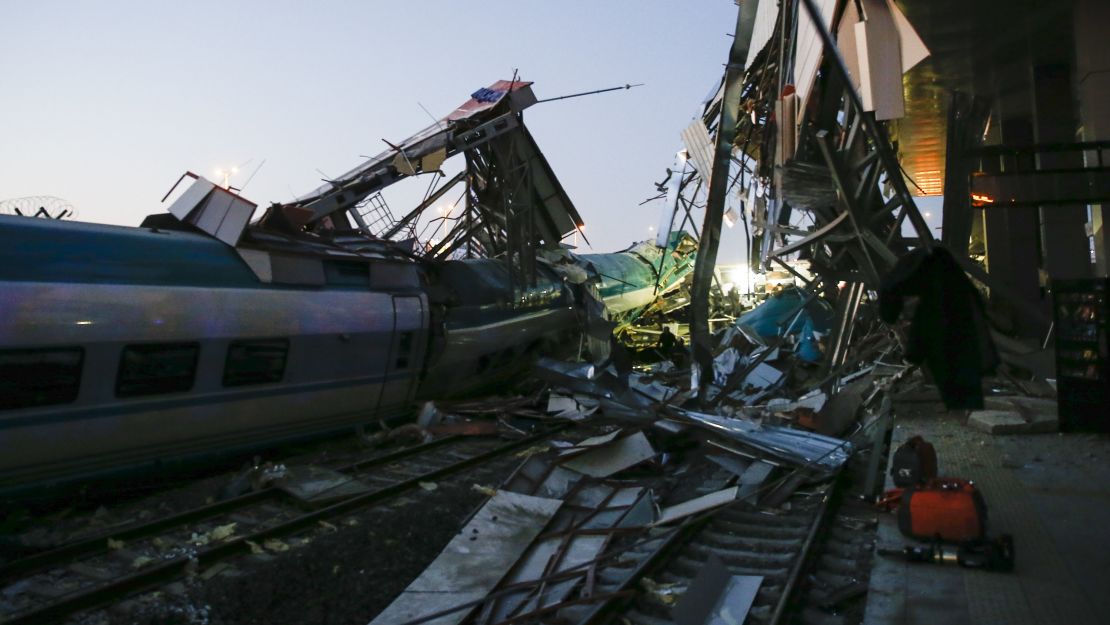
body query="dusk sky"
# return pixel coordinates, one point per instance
(106, 104)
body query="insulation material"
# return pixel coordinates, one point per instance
(403, 165)
(433, 161)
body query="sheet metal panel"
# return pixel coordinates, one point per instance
(485, 99)
(698, 146)
(765, 17)
(809, 52)
(474, 561)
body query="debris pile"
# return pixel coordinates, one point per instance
(556, 539)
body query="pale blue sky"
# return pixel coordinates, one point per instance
(106, 103)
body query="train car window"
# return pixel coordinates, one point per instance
(394, 276)
(255, 362)
(404, 348)
(157, 369)
(39, 377)
(346, 273)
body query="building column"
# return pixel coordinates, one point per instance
(1066, 251)
(1013, 243)
(1092, 89)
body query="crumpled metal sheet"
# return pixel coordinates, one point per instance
(583, 378)
(794, 446)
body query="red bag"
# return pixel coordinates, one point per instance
(949, 508)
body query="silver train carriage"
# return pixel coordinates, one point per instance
(130, 348)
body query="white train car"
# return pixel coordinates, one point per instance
(129, 347)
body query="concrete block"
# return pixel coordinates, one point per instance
(997, 421)
(1041, 414)
(1038, 415)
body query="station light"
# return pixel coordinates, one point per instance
(979, 200)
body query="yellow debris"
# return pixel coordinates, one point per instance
(141, 561)
(275, 545)
(223, 532)
(485, 490)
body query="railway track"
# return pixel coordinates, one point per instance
(745, 540)
(51, 585)
(841, 568)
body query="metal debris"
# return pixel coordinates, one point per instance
(788, 444)
(613, 457)
(474, 561)
(716, 597)
(698, 504)
(317, 485)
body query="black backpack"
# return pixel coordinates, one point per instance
(915, 462)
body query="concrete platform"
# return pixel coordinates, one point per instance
(1050, 491)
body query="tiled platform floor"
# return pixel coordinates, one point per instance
(1050, 491)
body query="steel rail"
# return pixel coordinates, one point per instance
(99, 543)
(165, 571)
(805, 553)
(686, 534)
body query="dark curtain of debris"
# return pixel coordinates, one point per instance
(948, 332)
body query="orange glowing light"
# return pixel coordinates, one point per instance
(979, 200)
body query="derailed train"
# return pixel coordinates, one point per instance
(123, 348)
